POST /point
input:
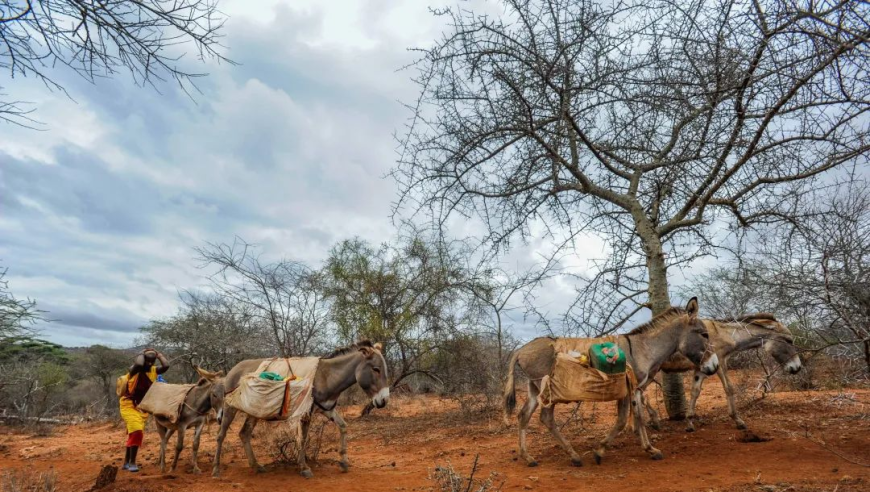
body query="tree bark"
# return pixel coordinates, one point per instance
(660, 301)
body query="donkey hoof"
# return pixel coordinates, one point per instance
(576, 462)
(196, 471)
(533, 464)
(344, 467)
(655, 426)
(260, 469)
(307, 473)
(742, 426)
(598, 457)
(657, 455)
(690, 428)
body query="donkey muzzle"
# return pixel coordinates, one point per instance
(793, 365)
(711, 366)
(381, 398)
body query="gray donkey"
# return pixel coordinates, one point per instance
(646, 348)
(361, 363)
(194, 412)
(728, 337)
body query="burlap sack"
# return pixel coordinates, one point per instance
(577, 346)
(165, 400)
(572, 381)
(302, 367)
(277, 400)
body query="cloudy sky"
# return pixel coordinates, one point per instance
(99, 213)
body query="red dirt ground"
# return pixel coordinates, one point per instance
(814, 439)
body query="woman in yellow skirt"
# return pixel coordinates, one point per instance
(142, 374)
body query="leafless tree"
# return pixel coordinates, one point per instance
(16, 315)
(646, 122)
(211, 331)
(502, 293)
(818, 273)
(97, 39)
(285, 296)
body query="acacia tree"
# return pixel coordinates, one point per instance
(97, 39)
(819, 273)
(212, 331)
(645, 122)
(284, 296)
(16, 315)
(408, 295)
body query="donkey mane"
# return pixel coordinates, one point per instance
(350, 348)
(749, 318)
(658, 320)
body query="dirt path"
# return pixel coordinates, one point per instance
(397, 450)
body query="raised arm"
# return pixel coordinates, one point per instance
(164, 363)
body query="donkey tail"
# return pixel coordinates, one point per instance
(510, 389)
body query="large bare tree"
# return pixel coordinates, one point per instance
(652, 123)
(97, 39)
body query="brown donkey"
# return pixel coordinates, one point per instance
(728, 337)
(362, 363)
(646, 348)
(197, 406)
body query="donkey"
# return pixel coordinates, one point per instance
(197, 405)
(728, 337)
(646, 347)
(361, 363)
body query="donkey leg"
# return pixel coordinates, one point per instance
(697, 382)
(729, 394)
(622, 407)
(548, 419)
(195, 449)
(164, 436)
(245, 435)
(229, 414)
(637, 406)
(524, 417)
(179, 445)
(655, 422)
(301, 444)
(342, 430)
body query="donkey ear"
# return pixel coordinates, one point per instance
(692, 308)
(367, 351)
(379, 347)
(211, 376)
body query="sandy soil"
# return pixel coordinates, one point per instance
(817, 441)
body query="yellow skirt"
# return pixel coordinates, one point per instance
(133, 417)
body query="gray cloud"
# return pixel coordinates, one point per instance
(99, 214)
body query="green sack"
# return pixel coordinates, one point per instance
(271, 376)
(607, 357)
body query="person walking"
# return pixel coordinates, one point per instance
(142, 374)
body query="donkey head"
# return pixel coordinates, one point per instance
(371, 375)
(217, 391)
(780, 345)
(695, 341)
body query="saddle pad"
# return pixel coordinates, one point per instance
(165, 400)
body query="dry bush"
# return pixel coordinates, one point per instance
(449, 480)
(283, 446)
(22, 480)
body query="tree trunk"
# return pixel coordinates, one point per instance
(660, 301)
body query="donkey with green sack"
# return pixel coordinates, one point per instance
(645, 348)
